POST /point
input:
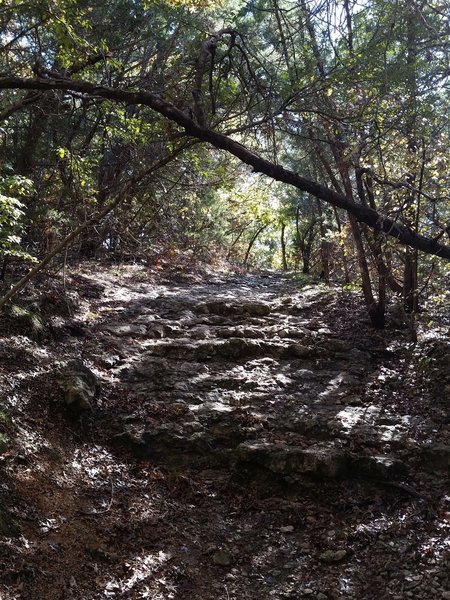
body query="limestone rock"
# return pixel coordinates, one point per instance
(357, 355)
(127, 330)
(171, 443)
(332, 556)
(256, 309)
(287, 529)
(299, 351)
(149, 369)
(334, 345)
(232, 348)
(377, 467)
(221, 307)
(319, 460)
(80, 386)
(109, 361)
(157, 330)
(212, 412)
(222, 558)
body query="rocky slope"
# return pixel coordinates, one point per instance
(251, 439)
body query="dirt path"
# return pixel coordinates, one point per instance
(252, 440)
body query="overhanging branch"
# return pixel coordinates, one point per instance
(364, 214)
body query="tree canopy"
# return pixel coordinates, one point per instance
(346, 102)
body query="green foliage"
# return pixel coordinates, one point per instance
(302, 279)
(303, 84)
(26, 320)
(353, 286)
(12, 212)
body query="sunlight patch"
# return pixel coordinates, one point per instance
(142, 568)
(351, 415)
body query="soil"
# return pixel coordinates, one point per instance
(249, 438)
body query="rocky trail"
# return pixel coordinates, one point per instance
(250, 439)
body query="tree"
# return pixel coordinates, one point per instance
(362, 213)
(315, 86)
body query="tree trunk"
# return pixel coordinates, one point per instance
(4, 267)
(252, 241)
(410, 282)
(343, 254)
(236, 240)
(411, 216)
(283, 247)
(375, 309)
(325, 271)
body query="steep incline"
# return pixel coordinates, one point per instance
(252, 439)
(258, 366)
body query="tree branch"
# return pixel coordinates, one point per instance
(364, 214)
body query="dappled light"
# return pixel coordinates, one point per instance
(224, 300)
(243, 436)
